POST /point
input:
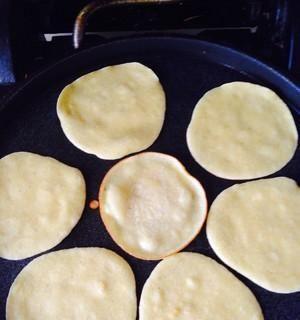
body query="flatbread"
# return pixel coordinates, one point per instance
(242, 130)
(79, 283)
(191, 286)
(254, 228)
(151, 206)
(114, 111)
(42, 199)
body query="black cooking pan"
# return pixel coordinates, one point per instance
(187, 68)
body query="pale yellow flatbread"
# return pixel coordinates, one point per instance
(151, 206)
(242, 130)
(191, 286)
(254, 228)
(42, 199)
(114, 111)
(74, 284)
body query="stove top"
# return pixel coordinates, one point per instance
(36, 33)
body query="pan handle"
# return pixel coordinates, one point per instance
(88, 10)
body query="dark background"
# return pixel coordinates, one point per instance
(267, 29)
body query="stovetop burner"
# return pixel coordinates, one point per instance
(36, 33)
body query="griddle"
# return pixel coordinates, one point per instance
(187, 69)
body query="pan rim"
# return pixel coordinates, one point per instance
(267, 68)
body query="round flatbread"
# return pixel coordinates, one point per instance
(42, 199)
(114, 111)
(242, 130)
(254, 228)
(192, 286)
(79, 283)
(151, 206)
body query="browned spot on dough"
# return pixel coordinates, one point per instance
(94, 204)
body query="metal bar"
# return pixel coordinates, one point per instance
(88, 10)
(189, 31)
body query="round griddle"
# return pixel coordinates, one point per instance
(187, 69)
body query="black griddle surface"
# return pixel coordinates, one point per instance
(187, 69)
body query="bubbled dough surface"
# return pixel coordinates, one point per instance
(42, 199)
(151, 206)
(242, 131)
(79, 283)
(113, 111)
(254, 228)
(191, 286)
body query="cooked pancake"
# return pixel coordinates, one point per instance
(191, 286)
(79, 283)
(254, 228)
(42, 199)
(114, 111)
(151, 206)
(242, 130)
